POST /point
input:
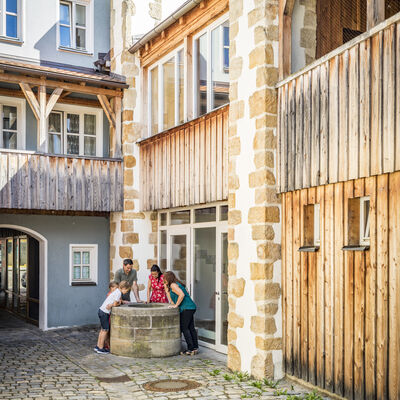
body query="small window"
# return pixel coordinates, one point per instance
(163, 219)
(11, 23)
(211, 68)
(205, 214)
(311, 225)
(180, 217)
(358, 221)
(166, 89)
(73, 29)
(73, 131)
(83, 264)
(223, 213)
(12, 123)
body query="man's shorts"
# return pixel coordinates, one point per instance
(104, 320)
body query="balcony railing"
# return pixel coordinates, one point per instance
(186, 165)
(35, 181)
(339, 117)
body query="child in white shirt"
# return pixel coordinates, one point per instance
(112, 300)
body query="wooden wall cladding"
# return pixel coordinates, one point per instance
(339, 120)
(44, 182)
(342, 308)
(186, 165)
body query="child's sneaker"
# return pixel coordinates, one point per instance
(96, 348)
(102, 351)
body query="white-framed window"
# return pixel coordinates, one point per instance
(166, 90)
(10, 19)
(75, 130)
(12, 123)
(364, 220)
(211, 67)
(83, 263)
(75, 25)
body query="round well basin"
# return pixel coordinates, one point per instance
(145, 330)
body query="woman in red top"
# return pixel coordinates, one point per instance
(156, 286)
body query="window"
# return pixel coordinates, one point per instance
(73, 25)
(358, 221)
(72, 130)
(311, 223)
(83, 264)
(211, 71)
(166, 88)
(10, 12)
(12, 113)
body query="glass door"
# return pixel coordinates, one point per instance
(178, 254)
(221, 293)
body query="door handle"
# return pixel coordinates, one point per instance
(217, 293)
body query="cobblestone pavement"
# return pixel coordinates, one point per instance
(61, 364)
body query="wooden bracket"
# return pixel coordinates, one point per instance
(31, 98)
(53, 100)
(107, 109)
(289, 5)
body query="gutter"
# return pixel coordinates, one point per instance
(182, 10)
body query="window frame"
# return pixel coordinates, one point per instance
(21, 120)
(93, 271)
(317, 225)
(365, 221)
(89, 4)
(207, 30)
(160, 111)
(3, 19)
(81, 111)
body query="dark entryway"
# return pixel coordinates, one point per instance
(19, 274)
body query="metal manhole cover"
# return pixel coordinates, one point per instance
(171, 385)
(115, 379)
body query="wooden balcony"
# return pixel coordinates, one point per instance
(339, 118)
(186, 165)
(33, 181)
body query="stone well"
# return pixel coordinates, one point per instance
(145, 330)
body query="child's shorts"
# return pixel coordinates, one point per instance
(104, 320)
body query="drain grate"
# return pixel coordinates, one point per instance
(171, 385)
(114, 379)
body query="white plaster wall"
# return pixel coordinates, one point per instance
(169, 6)
(298, 53)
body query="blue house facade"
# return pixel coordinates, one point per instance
(60, 158)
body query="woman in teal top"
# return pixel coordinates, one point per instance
(179, 297)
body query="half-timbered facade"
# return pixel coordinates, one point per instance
(338, 174)
(60, 159)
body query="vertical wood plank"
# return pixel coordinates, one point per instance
(307, 129)
(348, 301)
(370, 294)
(219, 157)
(382, 240)
(388, 106)
(376, 103)
(190, 165)
(182, 168)
(197, 162)
(284, 138)
(397, 66)
(296, 298)
(320, 286)
(291, 134)
(365, 104)
(208, 160)
(202, 156)
(394, 286)
(299, 134)
(339, 291)
(315, 135)
(324, 124)
(334, 119)
(353, 130)
(213, 159)
(329, 261)
(359, 311)
(173, 171)
(289, 284)
(304, 292)
(168, 172)
(226, 155)
(343, 115)
(284, 278)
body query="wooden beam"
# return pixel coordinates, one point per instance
(117, 153)
(73, 87)
(288, 9)
(107, 109)
(31, 98)
(53, 100)
(65, 94)
(285, 40)
(42, 131)
(375, 12)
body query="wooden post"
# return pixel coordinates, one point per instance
(285, 37)
(117, 151)
(42, 137)
(375, 12)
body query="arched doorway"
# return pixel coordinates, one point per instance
(22, 270)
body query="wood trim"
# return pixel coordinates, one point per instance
(31, 99)
(52, 100)
(73, 87)
(105, 104)
(285, 39)
(288, 8)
